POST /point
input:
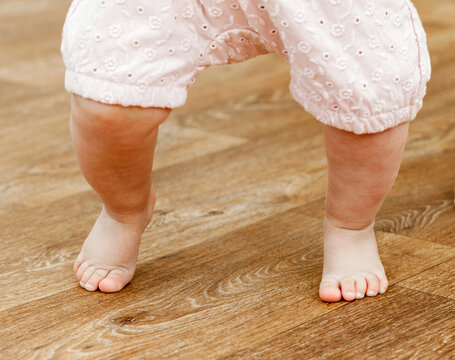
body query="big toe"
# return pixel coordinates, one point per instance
(329, 290)
(115, 280)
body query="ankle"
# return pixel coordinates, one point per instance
(334, 223)
(127, 217)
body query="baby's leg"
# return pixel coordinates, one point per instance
(114, 148)
(362, 170)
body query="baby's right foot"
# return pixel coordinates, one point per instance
(352, 267)
(107, 260)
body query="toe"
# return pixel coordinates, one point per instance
(87, 274)
(92, 283)
(348, 289)
(329, 290)
(383, 283)
(115, 280)
(81, 270)
(77, 263)
(372, 285)
(360, 288)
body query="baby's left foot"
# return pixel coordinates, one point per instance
(352, 267)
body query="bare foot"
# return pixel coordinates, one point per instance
(352, 267)
(108, 257)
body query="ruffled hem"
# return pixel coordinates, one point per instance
(358, 124)
(110, 92)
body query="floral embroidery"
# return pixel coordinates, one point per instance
(115, 31)
(346, 94)
(315, 96)
(369, 9)
(379, 106)
(408, 85)
(398, 20)
(299, 16)
(338, 30)
(150, 54)
(82, 42)
(155, 22)
(186, 45)
(110, 64)
(404, 54)
(349, 117)
(215, 12)
(309, 73)
(304, 47)
(188, 12)
(373, 41)
(377, 75)
(342, 64)
(107, 97)
(142, 87)
(358, 65)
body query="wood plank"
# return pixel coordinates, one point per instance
(406, 324)
(231, 262)
(437, 280)
(190, 298)
(261, 263)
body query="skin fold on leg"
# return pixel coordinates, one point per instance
(114, 148)
(362, 170)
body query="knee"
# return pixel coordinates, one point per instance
(116, 119)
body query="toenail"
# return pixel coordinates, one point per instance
(371, 293)
(382, 291)
(89, 287)
(82, 284)
(359, 295)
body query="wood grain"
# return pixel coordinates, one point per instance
(190, 298)
(230, 265)
(383, 328)
(437, 280)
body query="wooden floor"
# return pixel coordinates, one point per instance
(230, 266)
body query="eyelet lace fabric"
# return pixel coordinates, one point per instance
(360, 66)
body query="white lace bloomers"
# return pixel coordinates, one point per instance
(358, 65)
